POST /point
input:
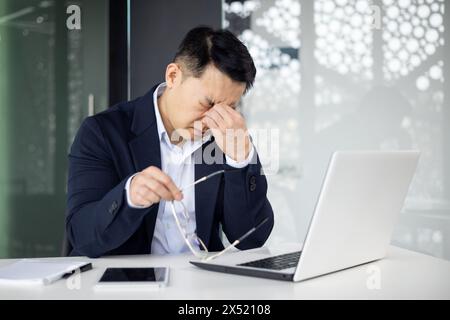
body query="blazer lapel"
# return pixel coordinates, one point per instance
(145, 149)
(144, 146)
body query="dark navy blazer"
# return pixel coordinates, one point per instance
(111, 146)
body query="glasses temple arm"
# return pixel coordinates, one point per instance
(202, 179)
(236, 242)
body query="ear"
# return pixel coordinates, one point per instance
(173, 75)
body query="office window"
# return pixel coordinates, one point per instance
(51, 78)
(351, 74)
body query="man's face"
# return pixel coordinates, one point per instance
(191, 97)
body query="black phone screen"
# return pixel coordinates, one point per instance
(133, 275)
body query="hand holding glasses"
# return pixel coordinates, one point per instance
(192, 240)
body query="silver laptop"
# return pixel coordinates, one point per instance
(361, 197)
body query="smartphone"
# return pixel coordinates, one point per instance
(134, 278)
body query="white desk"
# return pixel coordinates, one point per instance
(403, 275)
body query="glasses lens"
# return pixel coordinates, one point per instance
(181, 213)
(195, 244)
(198, 245)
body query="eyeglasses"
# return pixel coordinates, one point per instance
(193, 242)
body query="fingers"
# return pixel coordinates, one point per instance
(216, 120)
(151, 185)
(158, 188)
(164, 180)
(211, 124)
(224, 117)
(232, 113)
(140, 195)
(224, 113)
(144, 196)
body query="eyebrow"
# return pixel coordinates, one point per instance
(211, 102)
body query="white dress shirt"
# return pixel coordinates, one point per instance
(178, 163)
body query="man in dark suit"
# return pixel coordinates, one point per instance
(128, 164)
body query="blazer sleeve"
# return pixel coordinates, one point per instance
(98, 218)
(245, 204)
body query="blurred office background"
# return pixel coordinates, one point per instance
(332, 75)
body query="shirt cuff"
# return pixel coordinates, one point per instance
(127, 190)
(241, 164)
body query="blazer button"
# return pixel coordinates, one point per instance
(113, 207)
(253, 187)
(252, 180)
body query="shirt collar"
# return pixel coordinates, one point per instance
(161, 129)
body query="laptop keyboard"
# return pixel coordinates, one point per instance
(280, 262)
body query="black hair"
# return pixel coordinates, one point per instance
(203, 45)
